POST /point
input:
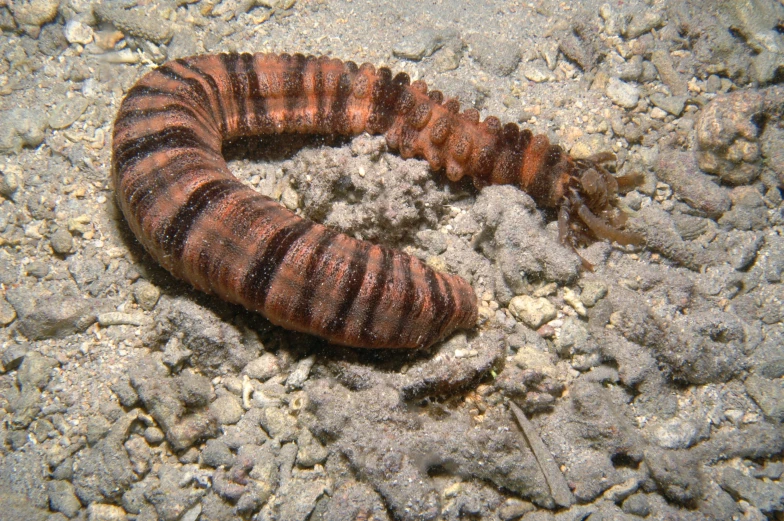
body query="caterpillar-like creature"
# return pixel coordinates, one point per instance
(206, 227)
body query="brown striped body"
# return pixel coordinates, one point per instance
(206, 227)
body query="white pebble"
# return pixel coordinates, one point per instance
(77, 32)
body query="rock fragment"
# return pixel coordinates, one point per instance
(768, 394)
(728, 133)
(104, 472)
(61, 241)
(21, 127)
(62, 498)
(621, 93)
(533, 312)
(680, 171)
(178, 405)
(676, 473)
(137, 22)
(669, 76)
(30, 15)
(765, 495)
(146, 294)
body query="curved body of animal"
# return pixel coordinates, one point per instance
(206, 227)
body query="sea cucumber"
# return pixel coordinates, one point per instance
(206, 227)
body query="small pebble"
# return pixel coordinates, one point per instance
(9, 182)
(62, 498)
(663, 62)
(573, 299)
(538, 72)
(533, 312)
(104, 512)
(14, 355)
(465, 353)
(713, 85)
(154, 435)
(643, 22)
(67, 112)
(676, 433)
(37, 269)
(514, 508)
(672, 104)
(174, 355)
(80, 224)
(263, 368)
(593, 291)
(290, 198)
(447, 60)
(658, 113)
(300, 374)
(146, 294)
(637, 505)
(310, 452)
(7, 313)
(61, 241)
(192, 514)
(77, 32)
(622, 93)
(279, 424)
(21, 127)
(217, 454)
(528, 357)
(227, 409)
(233, 384)
(619, 492)
(588, 146)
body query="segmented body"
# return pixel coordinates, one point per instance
(206, 227)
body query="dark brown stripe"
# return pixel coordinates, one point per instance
(235, 72)
(145, 190)
(137, 116)
(293, 82)
(553, 156)
(408, 298)
(128, 152)
(351, 67)
(485, 161)
(511, 159)
(436, 96)
(142, 91)
(216, 92)
(350, 284)
(443, 307)
(546, 176)
(510, 134)
(507, 166)
(192, 83)
(262, 270)
(174, 235)
(262, 121)
(525, 138)
(246, 213)
(338, 119)
(368, 333)
(386, 93)
(321, 101)
(316, 257)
